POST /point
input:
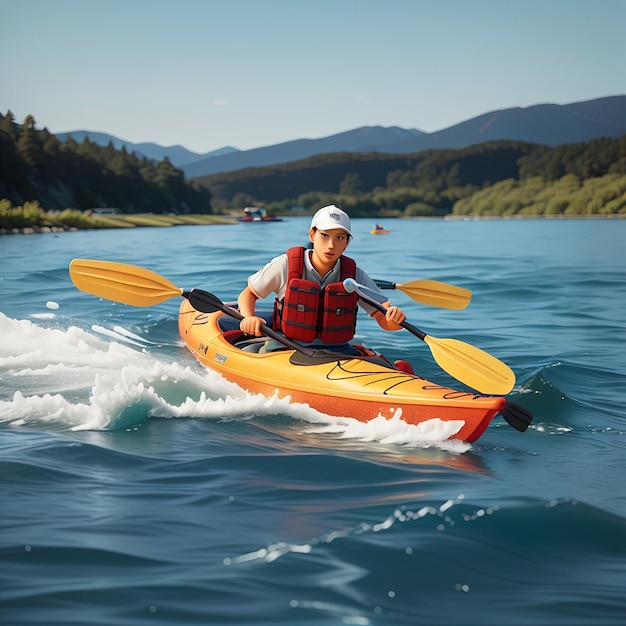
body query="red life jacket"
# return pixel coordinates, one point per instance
(308, 311)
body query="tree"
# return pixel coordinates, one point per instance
(8, 125)
(170, 180)
(28, 145)
(351, 185)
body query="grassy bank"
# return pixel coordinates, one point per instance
(31, 218)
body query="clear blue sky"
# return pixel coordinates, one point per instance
(249, 73)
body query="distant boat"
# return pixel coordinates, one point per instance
(257, 214)
(379, 230)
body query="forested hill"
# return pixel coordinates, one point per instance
(427, 183)
(494, 178)
(35, 165)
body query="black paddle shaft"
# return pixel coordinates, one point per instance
(384, 284)
(378, 306)
(206, 302)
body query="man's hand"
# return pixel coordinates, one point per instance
(252, 325)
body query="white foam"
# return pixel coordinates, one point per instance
(127, 333)
(394, 430)
(124, 336)
(70, 378)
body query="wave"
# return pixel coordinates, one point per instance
(504, 563)
(114, 378)
(562, 395)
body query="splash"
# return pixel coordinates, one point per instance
(394, 430)
(106, 379)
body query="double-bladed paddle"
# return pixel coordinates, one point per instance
(431, 292)
(137, 286)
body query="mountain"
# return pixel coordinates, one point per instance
(365, 139)
(547, 124)
(177, 154)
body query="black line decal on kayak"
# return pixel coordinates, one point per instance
(200, 320)
(393, 379)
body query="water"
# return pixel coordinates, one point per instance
(138, 488)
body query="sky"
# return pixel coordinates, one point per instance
(206, 74)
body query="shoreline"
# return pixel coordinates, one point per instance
(35, 230)
(43, 229)
(535, 217)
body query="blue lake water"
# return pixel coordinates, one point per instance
(139, 488)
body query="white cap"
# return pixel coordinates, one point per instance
(330, 217)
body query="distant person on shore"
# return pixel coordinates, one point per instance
(311, 304)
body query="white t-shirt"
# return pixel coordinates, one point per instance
(273, 279)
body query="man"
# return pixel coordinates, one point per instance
(311, 303)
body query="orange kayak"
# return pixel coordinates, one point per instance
(344, 386)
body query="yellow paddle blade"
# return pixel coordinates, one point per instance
(435, 293)
(119, 282)
(472, 366)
